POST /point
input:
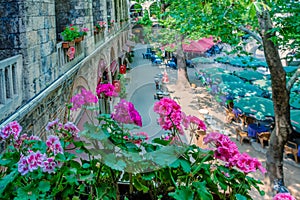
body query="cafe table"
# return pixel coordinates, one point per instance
(253, 129)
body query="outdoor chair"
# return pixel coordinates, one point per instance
(291, 148)
(241, 135)
(230, 116)
(262, 137)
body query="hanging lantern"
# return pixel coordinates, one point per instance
(117, 85)
(122, 69)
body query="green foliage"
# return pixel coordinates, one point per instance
(145, 20)
(70, 33)
(122, 93)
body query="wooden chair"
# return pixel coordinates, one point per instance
(230, 116)
(241, 135)
(291, 148)
(262, 137)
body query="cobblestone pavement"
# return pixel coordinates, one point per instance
(141, 89)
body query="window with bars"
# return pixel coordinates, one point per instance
(8, 82)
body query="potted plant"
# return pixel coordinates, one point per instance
(100, 26)
(69, 34)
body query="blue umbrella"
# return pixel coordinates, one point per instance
(295, 119)
(258, 107)
(236, 89)
(249, 75)
(295, 100)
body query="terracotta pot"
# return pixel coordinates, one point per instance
(65, 45)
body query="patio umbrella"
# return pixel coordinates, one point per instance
(222, 77)
(290, 69)
(202, 60)
(295, 100)
(241, 89)
(213, 70)
(258, 107)
(295, 119)
(249, 75)
(263, 84)
(223, 59)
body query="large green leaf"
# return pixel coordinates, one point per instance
(8, 179)
(139, 186)
(44, 186)
(202, 191)
(182, 193)
(114, 162)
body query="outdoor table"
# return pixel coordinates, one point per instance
(171, 64)
(253, 129)
(148, 55)
(157, 61)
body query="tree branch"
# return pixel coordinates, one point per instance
(293, 79)
(251, 33)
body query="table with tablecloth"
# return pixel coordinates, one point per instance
(253, 129)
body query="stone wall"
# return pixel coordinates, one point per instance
(32, 28)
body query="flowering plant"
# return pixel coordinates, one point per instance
(106, 90)
(84, 31)
(91, 163)
(70, 33)
(100, 25)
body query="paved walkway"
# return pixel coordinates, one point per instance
(141, 88)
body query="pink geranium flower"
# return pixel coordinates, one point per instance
(83, 98)
(54, 144)
(106, 90)
(283, 196)
(126, 113)
(12, 128)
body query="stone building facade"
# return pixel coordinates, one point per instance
(37, 75)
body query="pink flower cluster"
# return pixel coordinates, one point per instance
(106, 89)
(54, 145)
(85, 97)
(170, 115)
(227, 151)
(125, 113)
(71, 53)
(18, 143)
(37, 160)
(193, 120)
(283, 196)
(11, 129)
(66, 129)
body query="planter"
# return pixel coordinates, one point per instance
(77, 40)
(65, 45)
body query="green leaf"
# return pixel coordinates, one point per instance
(202, 190)
(44, 186)
(148, 176)
(7, 180)
(60, 157)
(139, 186)
(186, 166)
(240, 197)
(113, 162)
(182, 193)
(86, 165)
(160, 141)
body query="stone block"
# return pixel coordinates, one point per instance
(32, 38)
(38, 23)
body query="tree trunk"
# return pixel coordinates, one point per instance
(280, 96)
(182, 76)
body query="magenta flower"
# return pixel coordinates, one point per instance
(23, 165)
(283, 196)
(106, 90)
(125, 113)
(54, 144)
(89, 97)
(12, 128)
(140, 137)
(52, 125)
(193, 120)
(170, 115)
(71, 128)
(227, 151)
(49, 165)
